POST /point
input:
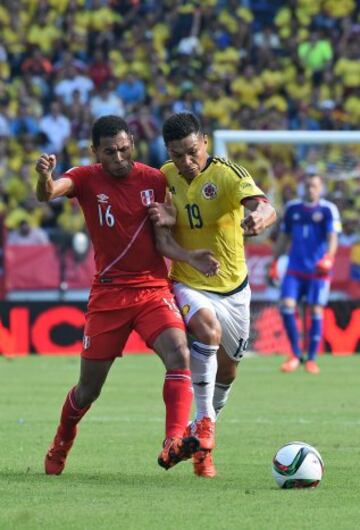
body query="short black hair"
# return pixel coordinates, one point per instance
(107, 126)
(180, 125)
(313, 175)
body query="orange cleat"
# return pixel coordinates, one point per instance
(204, 430)
(290, 365)
(204, 465)
(176, 450)
(312, 367)
(56, 456)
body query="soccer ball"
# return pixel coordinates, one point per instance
(297, 465)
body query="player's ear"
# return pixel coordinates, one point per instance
(205, 139)
(132, 141)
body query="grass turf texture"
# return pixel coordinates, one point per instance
(112, 480)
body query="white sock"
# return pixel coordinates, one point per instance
(221, 395)
(203, 363)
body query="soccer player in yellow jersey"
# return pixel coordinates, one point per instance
(210, 194)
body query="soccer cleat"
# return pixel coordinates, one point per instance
(56, 456)
(204, 430)
(203, 464)
(177, 449)
(312, 367)
(290, 365)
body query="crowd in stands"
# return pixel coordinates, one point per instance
(238, 64)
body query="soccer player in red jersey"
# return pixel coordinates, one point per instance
(130, 289)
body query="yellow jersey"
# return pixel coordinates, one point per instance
(209, 213)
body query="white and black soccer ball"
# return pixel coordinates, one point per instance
(297, 465)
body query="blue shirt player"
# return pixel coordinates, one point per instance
(309, 235)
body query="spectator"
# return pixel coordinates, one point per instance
(73, 80)
(56, 126)
(268, 40)
(148, 136)
(131, 90)
(315, 53)
(99, 70)
(67, 58)
(37, 64)
(351, 230)
(26, 235)
(4, 125)
(43, 33)
(106, 101)
(25, 122)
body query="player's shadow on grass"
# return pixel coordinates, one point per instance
(76, 479)
(156, 479)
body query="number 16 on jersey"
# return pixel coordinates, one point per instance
(106, 217)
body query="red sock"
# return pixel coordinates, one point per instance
(70, 417)
(178, 395)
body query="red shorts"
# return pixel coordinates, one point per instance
(114, 312)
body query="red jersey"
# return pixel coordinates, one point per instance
(117, 219)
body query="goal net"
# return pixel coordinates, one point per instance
(279, 161)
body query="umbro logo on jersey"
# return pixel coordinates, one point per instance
(102, 197)
(209, 191)
(147, 197)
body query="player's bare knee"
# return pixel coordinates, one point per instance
(205, 327)
(316, 310)
(172, 348)
(208, 334)
(85, 395)
(287, 303)
(180, 357)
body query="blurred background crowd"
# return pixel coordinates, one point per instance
(238, 64)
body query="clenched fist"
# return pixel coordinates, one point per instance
(45, 166)
(253, 224)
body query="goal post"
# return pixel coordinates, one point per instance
(335, 155)
(223, 137)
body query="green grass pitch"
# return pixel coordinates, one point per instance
(112, 480)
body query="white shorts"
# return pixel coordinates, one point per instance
(233, 313)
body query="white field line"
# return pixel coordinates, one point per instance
(264, 421)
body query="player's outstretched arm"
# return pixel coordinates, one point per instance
(201, 259)
(261, 216)
(46, 187)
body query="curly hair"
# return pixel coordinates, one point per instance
(107, 126)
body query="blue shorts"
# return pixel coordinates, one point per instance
(315, 291)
